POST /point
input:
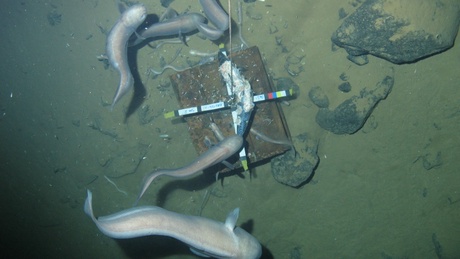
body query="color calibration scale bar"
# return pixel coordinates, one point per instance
(222, 105)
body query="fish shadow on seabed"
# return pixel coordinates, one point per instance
(139, 89)
(196, 183)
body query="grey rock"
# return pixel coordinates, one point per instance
(285, 83)
(318, 97)
(166, 3)
(345, 87)
(358, 59)
(351, 114)
(399, 31)
(296, 168)
(343, 77)
(342, 13)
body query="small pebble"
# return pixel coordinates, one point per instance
(342, 13)
(345, 87)
(318, 97)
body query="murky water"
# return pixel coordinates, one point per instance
(388, 191)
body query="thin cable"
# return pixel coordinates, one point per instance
(230, 49)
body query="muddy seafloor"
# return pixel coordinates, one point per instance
(388, 191)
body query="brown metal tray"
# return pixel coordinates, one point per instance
(203, 85)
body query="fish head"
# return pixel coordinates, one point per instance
(134, 15)
(248, 246)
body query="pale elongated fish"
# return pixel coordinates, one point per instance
(117, 46)
(205, 237)
(214, 155)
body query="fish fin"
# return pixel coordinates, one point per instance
(121, 6)
(232, 217)
(183, 38)
(139, 36)
(228, 165)
(196, 252)
(88, 205)
(135, 39)
(169, 13)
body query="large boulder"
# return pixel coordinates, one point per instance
(296, 167)
(399, 31)
(350, 115)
